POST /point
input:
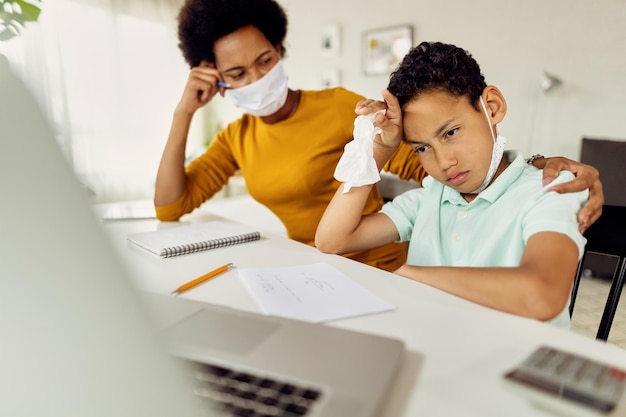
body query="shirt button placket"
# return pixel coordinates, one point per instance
(457, 237)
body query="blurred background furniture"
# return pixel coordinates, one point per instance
(609, 158)
(391, 185)
(606, 237)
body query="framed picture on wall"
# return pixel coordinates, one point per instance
(331, 40)
(384, 48)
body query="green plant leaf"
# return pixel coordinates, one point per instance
(14, 14)
(30, 9)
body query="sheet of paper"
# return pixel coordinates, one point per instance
(315, 293)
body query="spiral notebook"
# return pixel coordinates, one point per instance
(195, 237)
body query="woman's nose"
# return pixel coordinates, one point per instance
(255, 74)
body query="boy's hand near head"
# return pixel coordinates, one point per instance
(390, 123)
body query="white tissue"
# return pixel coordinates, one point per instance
(357, 166)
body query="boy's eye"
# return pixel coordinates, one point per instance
(420, 149)
(452, 132)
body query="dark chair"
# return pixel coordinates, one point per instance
(607, 236)
(608, 157)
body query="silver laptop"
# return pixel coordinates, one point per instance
(77, 340)
(278, 367)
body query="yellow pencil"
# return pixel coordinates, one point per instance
(191, 284)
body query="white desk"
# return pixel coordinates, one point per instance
(458, 351)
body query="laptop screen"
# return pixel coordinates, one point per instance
(75, 341)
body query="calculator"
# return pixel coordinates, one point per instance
(596, 386)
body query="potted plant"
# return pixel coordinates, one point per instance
(14, 14)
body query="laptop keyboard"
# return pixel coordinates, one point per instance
(232, 393)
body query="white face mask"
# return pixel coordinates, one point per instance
(264, 96)
(496, 154)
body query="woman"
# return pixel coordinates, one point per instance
(288, 142)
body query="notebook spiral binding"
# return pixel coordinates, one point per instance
(210, 244)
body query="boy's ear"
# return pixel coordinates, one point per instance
(496, 104)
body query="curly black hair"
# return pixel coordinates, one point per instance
(436, 66)
(202, 22)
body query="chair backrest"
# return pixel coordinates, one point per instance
(390, 185)
(606, 236)
(608, 157)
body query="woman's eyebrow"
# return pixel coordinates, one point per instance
(240, 67)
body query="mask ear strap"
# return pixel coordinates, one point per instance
(493, 134)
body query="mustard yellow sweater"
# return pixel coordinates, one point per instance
(288, 167)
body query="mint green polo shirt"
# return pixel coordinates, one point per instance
(491, 231)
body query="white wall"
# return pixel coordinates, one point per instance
(581, 41)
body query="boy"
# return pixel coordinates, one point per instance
(482, 227)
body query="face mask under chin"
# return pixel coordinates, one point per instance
(496, 154)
